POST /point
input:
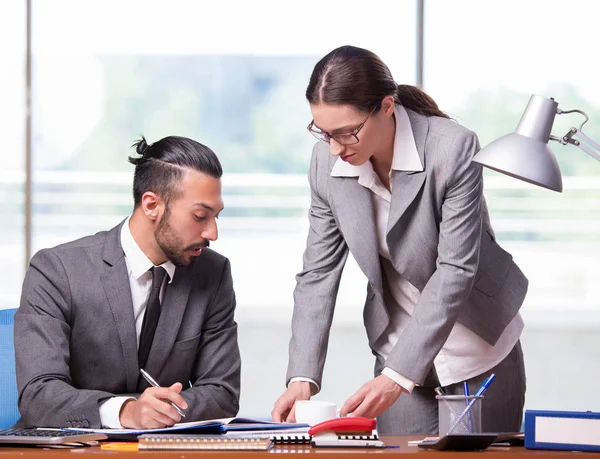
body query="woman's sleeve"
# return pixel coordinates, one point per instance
(318, 282)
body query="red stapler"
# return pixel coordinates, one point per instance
(347, 426)
(346, 432)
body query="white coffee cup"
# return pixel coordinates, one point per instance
(313, 412)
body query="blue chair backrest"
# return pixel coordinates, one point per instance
(9, 410)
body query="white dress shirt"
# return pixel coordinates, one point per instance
(140, 282)
(464, 354)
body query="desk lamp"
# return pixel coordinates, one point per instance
(525, 154)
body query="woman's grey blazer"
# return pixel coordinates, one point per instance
(439, 238)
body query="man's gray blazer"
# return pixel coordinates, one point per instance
(439, 238)
(75, 339)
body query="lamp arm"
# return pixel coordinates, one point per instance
(576, 137)
(580, 140)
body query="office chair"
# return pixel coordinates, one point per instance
(9, 410)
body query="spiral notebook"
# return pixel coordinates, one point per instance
(289, 436)
(332, 439)
(303, 438)
(202, 442)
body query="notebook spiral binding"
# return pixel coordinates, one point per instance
(358, 437)
(291, 439)
(305, 438)
(197, 442)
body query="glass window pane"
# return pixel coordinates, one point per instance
(481, 67)
(235, 82)
(12, 133)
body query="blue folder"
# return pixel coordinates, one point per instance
(562, 430)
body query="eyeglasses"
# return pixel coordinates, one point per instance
(349, 138)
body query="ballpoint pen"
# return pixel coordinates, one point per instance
(466, 390)
(152, 382)
(479, 392)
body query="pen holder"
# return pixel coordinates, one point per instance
(459, 414)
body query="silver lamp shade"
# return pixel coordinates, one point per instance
(525, 153)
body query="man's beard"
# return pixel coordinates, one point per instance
(171, 244)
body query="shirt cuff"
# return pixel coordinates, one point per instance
(402, 381)
(110, 410)
(314, 387)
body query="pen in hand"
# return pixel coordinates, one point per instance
(153, 383)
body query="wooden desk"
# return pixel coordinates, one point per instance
(296, 450)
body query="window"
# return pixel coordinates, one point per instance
(12, 133)
(232, 75)
(106, 72)
(481, 67)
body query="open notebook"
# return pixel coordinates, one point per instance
(210, 426)
(288, 437)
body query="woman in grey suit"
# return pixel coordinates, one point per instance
(392, 182)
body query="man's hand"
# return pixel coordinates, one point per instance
(285, 408)
(151, 411)
(373, 398)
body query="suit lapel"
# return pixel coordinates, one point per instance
(406, 185)
(118, 293)
(354, 210)
(172, 308)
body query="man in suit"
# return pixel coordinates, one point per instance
(145, 294)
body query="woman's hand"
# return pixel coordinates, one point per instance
(285, 408)
(373, 398)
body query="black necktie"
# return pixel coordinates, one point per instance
(151, 316)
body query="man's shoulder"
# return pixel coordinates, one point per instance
(84, 242)
(75, 248)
